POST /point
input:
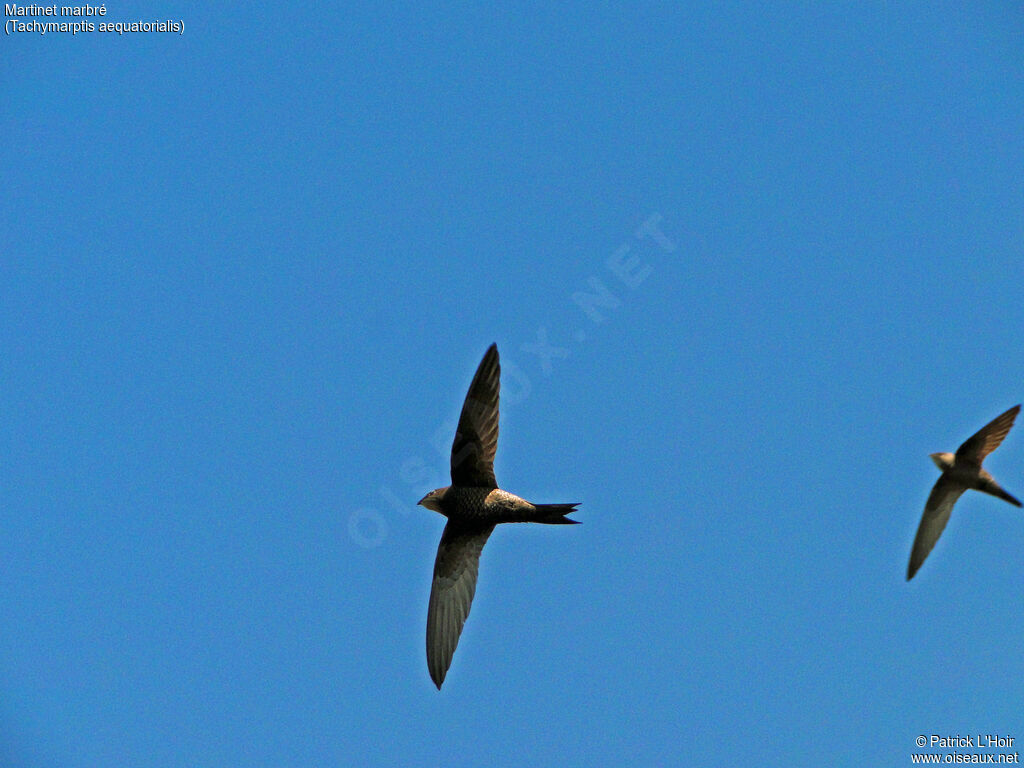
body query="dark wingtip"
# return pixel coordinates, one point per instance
(492, 352)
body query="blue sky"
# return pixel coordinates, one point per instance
(249, 271)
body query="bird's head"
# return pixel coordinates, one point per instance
(943, 460)
(434, 499)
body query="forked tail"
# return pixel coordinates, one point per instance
(1001, 494)
(993, 488)
(555, 514)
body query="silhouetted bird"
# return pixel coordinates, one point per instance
(473, 504)
(960, 471)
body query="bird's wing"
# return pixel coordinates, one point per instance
(933, 521)
(476, 437)
(988, 438)
(451, 594)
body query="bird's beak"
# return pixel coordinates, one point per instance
(430, 501)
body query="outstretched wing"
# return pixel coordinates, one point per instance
(933, 521)
(988, 438)
(451, 594)
(476, 437)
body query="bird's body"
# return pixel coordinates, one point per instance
(970, 476)
(474, 505)
(471, 504)
(961, 471)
